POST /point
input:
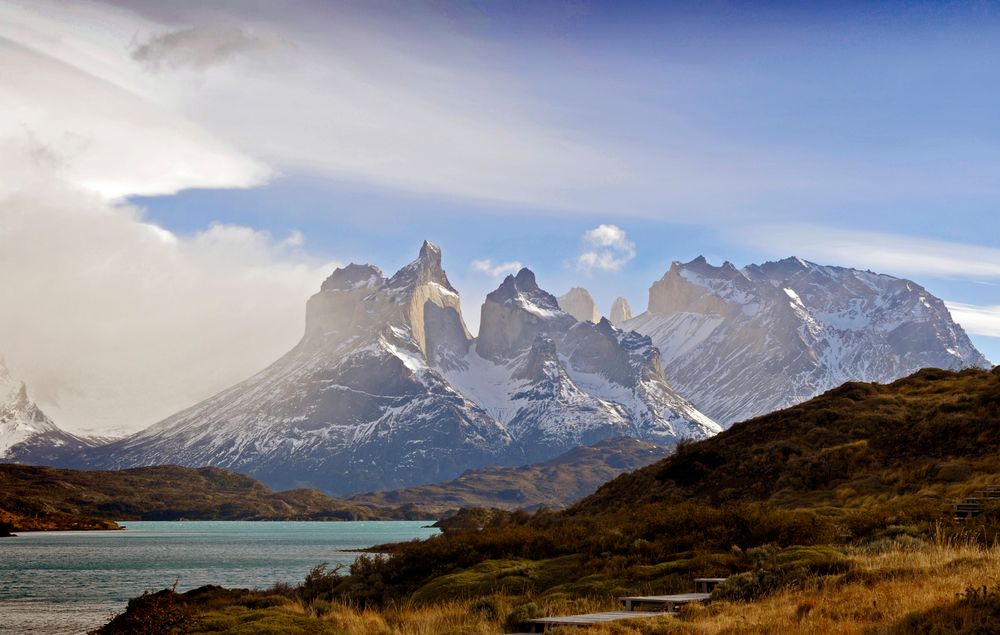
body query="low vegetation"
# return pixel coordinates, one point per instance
(39, 498)
(832, 516)
(902, 588)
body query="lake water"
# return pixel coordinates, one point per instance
(69, 582)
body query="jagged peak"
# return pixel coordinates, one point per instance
(700, 267)
(21, 398)
(354, 276)
(426, 268)
(430, 251)
(605, 325)
(525, 280)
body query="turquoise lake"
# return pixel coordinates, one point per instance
(69, 582)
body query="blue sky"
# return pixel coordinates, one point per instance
(235, 152)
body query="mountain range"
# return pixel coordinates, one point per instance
(740, 343)
(387, 387)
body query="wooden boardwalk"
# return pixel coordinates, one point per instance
(667, 603)
(972, 506)
(662, 605)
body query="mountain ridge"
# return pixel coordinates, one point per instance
(388, 389)
(743, 342)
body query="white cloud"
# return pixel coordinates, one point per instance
(99, 136)
(976, 320)
(883, 252)
(115, 322)
(606, 248)
(496, 270)
(230, 95)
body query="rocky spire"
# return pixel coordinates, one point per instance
(620, 311)
(580, 304)
(425, 269)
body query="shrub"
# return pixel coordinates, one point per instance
(520, 614)
(487, 608)
(319, 583)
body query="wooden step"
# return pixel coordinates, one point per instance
(662, 602)
(590, 619)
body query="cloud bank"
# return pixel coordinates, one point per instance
(114, 322)
(976, 320)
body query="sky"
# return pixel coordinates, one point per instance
(179, 177)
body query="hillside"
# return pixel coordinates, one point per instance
(553, 484)
(913, 445)
(47, 498)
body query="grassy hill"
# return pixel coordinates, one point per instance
(553, 484)
(912, 446)
(33, 498)
(829, 517)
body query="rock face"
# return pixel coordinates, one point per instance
(578, 303)
(27, 435)
(557, 382)
(387, 389)
(621, 312)
(354, 406)
(743, 342)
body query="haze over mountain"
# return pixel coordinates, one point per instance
(388, 389)
(743, 342)
(26, 431)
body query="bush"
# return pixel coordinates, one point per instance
(487, 608)
(776, 569)
(520, 614)
(319, 583)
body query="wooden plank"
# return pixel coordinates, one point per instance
(667, 602)
(589, 619)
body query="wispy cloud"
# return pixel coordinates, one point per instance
(897, 254)
(202, 46)
(333, 103)
(975, 319)
(96, 135)
(496, 270)
(606, 248)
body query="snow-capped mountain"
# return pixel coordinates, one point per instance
(388, 389)
(26, 433)
(743, 342)
(355, 405)
(556, 382)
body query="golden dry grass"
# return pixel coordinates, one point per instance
(887, 587)
(875, 598)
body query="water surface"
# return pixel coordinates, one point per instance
(68, 582)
